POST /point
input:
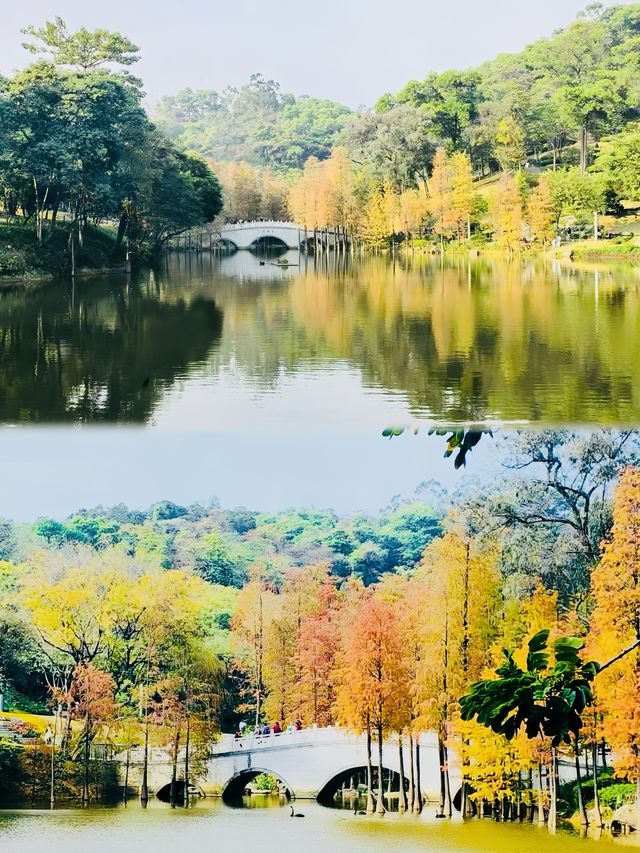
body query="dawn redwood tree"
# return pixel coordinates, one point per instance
(92, 701)
(458, 574)
(615, 625)
(371, 673)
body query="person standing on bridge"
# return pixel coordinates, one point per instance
(276, 728)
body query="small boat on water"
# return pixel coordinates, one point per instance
(283, 263)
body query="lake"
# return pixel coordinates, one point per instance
(212, 342)
(211, 825)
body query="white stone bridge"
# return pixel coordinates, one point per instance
(253, 235)
(310, 764)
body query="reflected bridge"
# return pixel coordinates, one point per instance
(283, 235)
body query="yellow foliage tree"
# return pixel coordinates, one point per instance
(462, 194)
(324, 194)
(509, 143)
(440, 188)
(506, 213)
(461, 580)
(541, 212)
(615, 625)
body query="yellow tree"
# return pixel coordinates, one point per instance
(252, 615)
(495, 768)
(413, 209)
(324, 194)
(461, 581)
(297, 603)
(241, 189)
(615, 626)
(376, 224)
(490, 753)
(371, 673)
(509, 143)
(506, 213)
(440, 204)
(462, 194)
(541, 212)
(274, 202)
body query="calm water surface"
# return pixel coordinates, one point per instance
(212, 826)
(215, 342)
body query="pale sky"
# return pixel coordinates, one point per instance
(55, 471)
(346, 50)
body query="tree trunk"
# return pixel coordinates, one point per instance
(584, 150)
(52, 791)
(186, 764)
(174, 769)
(412, 776)
(540, 795)
(596, 796)
(553, 792)
(126, 776)
(370, 808)
(85, 780)
(380, 805)
(418, 807)
(144, 787)
(581, 806)
(259, 652)
(122, 227)
(402, 794)
(441, 760)
(447, 782)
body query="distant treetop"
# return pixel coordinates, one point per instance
(83, 50)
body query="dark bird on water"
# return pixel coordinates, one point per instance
(145, 382)
(295, 814)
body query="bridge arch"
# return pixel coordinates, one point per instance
(353, 776)
(235, 786)
(268, 244)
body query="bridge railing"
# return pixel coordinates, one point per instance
(260, 223)
(289, 737)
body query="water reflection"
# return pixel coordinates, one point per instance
(104, 350)
(367, 342)
(212, 825)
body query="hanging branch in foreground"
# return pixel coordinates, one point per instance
(546, 700)
(461, 439)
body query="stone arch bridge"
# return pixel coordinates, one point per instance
(310, 764)
(286, 235)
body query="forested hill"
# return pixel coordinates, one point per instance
(575, 87)
(222, 545)
(567, 90)
(255, 123)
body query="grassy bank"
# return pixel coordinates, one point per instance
(23, 257)
(605, 250)
(578, 250)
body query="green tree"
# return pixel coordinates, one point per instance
(451, 99)
(619, 161)
(84, 50)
